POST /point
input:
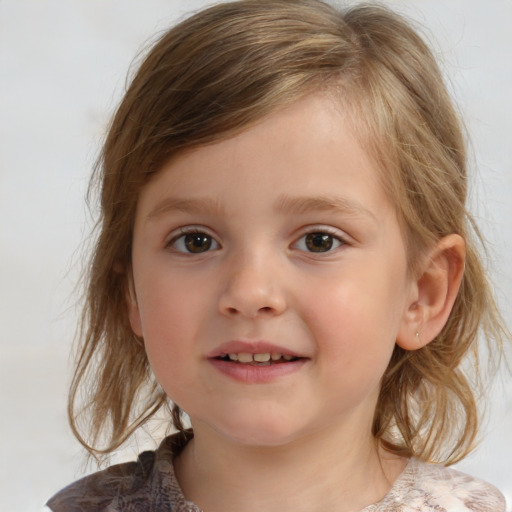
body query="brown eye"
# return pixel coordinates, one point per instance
(197, 242)
(194, 243)
(319, 242)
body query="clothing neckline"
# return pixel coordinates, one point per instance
(174, 444)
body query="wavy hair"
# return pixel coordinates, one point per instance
(210, 77)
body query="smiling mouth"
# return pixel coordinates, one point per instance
(262, 359)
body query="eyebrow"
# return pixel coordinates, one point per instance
(171, 204)
(335, 204)
(284, 204)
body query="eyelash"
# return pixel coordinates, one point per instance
(322, 234)
(191, 232)
(319, 235)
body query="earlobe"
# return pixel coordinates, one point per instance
(436, 289)
(133, 306)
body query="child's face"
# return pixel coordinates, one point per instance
(279, 241)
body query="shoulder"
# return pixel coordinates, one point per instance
(435, 487)
(144, 485)
(99, 491)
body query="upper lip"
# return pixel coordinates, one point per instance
(250, 347)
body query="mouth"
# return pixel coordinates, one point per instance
(257, 362)
(260, 359)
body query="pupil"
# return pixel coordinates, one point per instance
(319, 242)
(197, 242)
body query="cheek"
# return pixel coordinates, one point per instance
(356, 320)
(166, 303)
(172, 311)
(168, 328)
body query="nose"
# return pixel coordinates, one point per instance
(252, 289)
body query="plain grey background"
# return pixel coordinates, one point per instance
(62, 70)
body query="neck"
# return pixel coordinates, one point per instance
(327, 471)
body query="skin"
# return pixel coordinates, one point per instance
(256, 199)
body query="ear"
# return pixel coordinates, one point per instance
(133, 306)
(433, 293)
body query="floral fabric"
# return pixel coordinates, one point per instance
(150, 485)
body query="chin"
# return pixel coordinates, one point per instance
(259, 432)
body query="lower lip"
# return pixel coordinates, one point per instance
(252, 374)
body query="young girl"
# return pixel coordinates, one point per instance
(285, 254)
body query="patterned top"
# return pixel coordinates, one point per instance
(150, 485)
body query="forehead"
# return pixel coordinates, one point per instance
(306, 149)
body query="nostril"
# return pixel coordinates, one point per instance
(251, 301)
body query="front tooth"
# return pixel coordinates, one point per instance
(262, 358)
(245, 358)
(275, 356)
(233, 357)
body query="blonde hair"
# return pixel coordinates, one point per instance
(212, 76)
